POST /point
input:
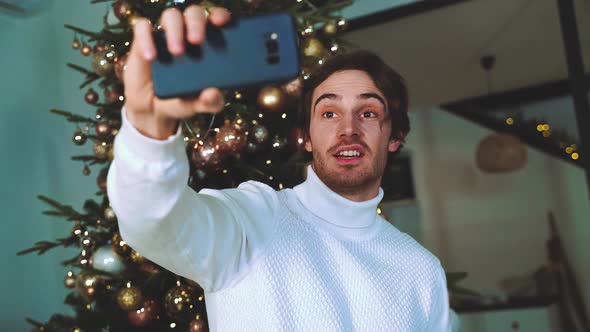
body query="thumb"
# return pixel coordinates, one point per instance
(138, 75)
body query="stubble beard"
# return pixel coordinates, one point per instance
(349, 179)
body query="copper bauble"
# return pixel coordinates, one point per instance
(86, 170)
(198, 325)
(75, 44)
(70, 280)
(113, 96)
(91, 97)
(86, 50)
(271, 99)
(229, 139)
(119, 245)
(103, 129)
(101, 180)
(100, 64)
(500, 153)
(144, 315)
(129, 298)
(99, 47)
(122, 10)
(120, 66)
(330, 28)
(294, 87)
(313, 47)
(180, 302)
(79, 138)
(206, 155)
(88, 285)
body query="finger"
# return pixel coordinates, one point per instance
(137, 75)
(173, 24)
(209, 101)
(219, 16)
(142, 39)
(195, 20)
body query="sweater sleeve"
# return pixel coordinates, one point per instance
(440, 320)
(211, 237)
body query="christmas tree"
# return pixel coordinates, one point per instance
(114, 288)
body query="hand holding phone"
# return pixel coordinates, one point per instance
(248, 51)
(152, 116)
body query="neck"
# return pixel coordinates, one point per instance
(335, 208)
(356, 193)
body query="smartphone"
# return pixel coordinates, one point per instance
(248, 51)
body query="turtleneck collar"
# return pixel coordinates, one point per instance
(336, 212)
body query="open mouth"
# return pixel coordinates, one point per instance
(349, 154)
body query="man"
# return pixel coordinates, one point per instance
(313, 258)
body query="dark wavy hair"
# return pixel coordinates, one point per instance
(387, 80)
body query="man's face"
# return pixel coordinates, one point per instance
(349, 134)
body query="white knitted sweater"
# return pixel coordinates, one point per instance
(302, 259)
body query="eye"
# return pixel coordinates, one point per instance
(328, 114)
(369, 114)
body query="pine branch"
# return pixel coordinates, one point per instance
(42, 246)
(82, 69)
(34, 322)
(99, 1)
(92, 159)
(73, 117)
(61, 210)
(92, 35)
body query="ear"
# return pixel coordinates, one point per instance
(308, 145)
(393, 145)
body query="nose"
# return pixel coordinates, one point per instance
(349, 126)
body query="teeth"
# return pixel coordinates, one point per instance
(349, 153)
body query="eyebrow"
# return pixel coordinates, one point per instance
(333, 96)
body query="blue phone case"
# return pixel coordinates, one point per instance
(248, 51)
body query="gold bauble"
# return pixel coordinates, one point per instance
(271, 99)
(137, 257)
(75, 44)
(87, 284)
(70, 280)
(330, 28)
(180, 302)
(313, 47)
(109, 214)
(129, 298)
(100, 150)
(119, 245)
(101, 65)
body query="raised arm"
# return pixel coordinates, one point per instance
(210, 237)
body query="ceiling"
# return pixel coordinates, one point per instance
(439, 51)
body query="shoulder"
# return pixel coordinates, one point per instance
(409, 253)
(249, 194)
